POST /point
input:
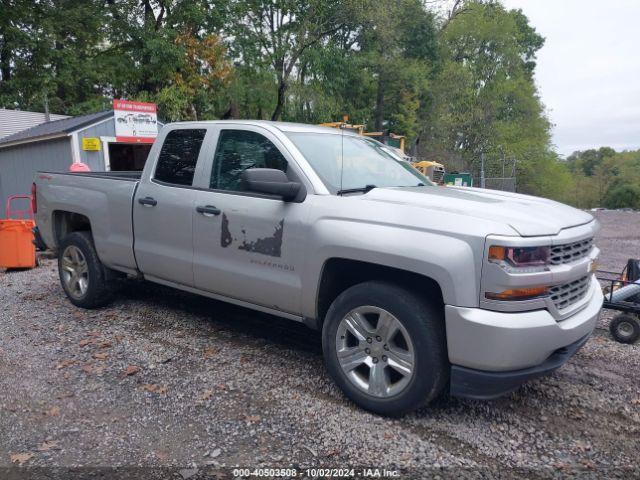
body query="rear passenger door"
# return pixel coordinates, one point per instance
(248, 246)
(163, 209)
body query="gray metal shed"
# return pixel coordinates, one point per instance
(14, 121)
(55, 145)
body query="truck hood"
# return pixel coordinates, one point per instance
(528, 216)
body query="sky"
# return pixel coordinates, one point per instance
(588, 72)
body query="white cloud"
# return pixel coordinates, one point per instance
(588, 71)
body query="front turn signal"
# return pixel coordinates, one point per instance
(518, 294)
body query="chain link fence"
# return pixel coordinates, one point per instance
(506, 184)
(499, 174)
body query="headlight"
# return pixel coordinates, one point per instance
(520, 259)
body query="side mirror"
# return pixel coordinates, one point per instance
(270, 181)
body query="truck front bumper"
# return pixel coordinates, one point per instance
(493, 353)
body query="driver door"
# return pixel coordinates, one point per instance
(248, 246)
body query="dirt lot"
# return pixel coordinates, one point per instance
(166, 379)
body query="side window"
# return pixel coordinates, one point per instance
(178, 156)
(240, 150)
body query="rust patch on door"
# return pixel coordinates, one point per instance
(225, 235)
(271, 246)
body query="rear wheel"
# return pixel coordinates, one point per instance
(385, 347)
(82, 275)
(625, 328)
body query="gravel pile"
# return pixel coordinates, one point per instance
(164, 378)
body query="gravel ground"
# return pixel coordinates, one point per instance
(161, 378)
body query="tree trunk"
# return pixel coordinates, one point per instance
(5, 61)
(301, 103)
(149, 16)
(233, 112)
(193, 112)
(379, 116)
(61, 91)
(282, 90)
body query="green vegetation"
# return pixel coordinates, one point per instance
(605, 178)
(457, 83)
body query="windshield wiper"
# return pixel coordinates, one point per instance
(365, 189)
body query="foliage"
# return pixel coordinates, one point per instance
(545, 175)
(485, 100)
(623, 196)
(459, 86)
(605, 177)
(275, 33)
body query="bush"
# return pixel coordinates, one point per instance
(623, 196)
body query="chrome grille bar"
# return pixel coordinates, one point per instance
(570, 252)
(563, 296)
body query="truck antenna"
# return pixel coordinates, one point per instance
(341, 155)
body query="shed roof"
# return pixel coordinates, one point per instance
(56, 128)
(14, 121)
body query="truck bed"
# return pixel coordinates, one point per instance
(104, 198)
(115, 175)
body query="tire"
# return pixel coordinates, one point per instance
(419, 320)
(91, 288)
(625, 328)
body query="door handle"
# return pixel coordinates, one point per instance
(208, 210)
(148, 201)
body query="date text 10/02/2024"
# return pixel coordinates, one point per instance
(316, 472)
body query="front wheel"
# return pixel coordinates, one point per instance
(82, 275)
(385, 347)
(625, 328)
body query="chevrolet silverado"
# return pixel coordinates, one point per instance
(418, 289)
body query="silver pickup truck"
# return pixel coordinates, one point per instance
(417, 289)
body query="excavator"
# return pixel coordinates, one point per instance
(433, 170)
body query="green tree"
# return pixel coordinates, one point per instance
(605, 177)
(273, 34)
(589, 160)
(399, 44)
(623, 196)
(47, 53)
(458, 87)
(376, 69)
(485, 100)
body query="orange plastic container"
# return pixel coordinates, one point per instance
(16, 237)
(16, 246)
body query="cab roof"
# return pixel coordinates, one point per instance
(282, 126)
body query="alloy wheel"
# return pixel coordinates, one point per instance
(75, 271)
(375, 351)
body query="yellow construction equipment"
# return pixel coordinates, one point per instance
(393, 140)
(345, 125)
(433, 170)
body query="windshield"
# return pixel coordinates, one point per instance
(366, 162)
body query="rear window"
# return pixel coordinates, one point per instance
(179, 155)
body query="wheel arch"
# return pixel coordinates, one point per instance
(338, 274)
(65, 222)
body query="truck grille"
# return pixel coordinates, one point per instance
(563, 296)
(570, 252)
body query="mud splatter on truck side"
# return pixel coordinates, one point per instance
(271, 245)
(225, 235)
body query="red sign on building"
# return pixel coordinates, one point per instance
(136, 122)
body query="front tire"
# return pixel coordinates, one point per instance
(385, 347)
(82, 275)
